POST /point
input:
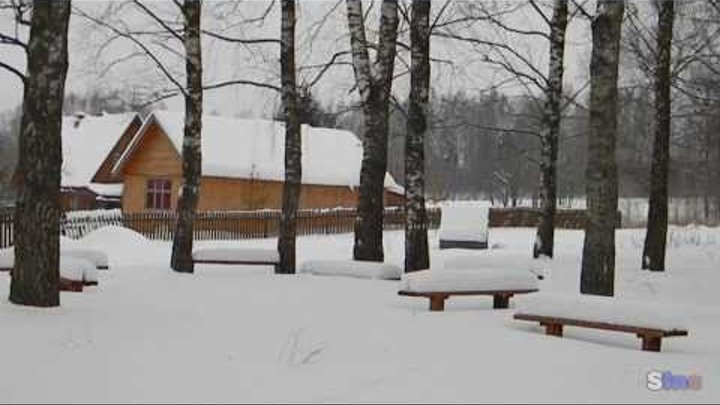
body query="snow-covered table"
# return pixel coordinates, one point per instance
(229, 255)
(649, 321)
(439, 285)
(75, 272)
(352, 268)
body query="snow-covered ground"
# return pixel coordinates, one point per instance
(243, 334)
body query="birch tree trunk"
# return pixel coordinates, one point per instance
(657, 224)
(35, 276)
(293, 142)
(416, 240)
(598, 261)
(545, 238)
(181, 260)
(374, 84)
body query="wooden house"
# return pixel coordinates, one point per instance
(242, 166)
(90, 145)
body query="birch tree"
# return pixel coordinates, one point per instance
(374, 82)
(35, 276)
(550, 137)
(293, 158)
(656, 236)
(598, 260)
(181, 260)
(416, 240)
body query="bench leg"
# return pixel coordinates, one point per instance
(501, 301)
(651, 343)
(437, 302)
(553, 329)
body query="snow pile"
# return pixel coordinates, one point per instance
(465, 222)
(463, 280)
(352, 268)
(611, 310)
(76, 269)
(227, 254)
(86, 143)
(97, 257)
(254, 148)
(113, 236)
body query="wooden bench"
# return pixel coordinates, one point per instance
(237, 256)
(501, 298)
(651, 338)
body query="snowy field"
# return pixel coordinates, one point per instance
(243, 334)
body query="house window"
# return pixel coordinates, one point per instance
(159, 192)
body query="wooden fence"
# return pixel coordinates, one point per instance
(264, 224)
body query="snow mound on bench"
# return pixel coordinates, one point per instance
(236, 254)
(71, 268)
(464, 280)
(77, 269)
(94, 256)
(465, 222)
(611, 310)
(352, 268)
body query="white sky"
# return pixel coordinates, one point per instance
(317, 42)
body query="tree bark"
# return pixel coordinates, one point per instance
(545, 238)
(417, 256)
(36, 274)
(374, 86)
(181, 260)
(657, 224)
(598, 261)
(293, 142)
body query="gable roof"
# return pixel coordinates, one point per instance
(86, 143)
(254, 148)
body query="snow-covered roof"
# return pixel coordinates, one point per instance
(86, 141)
(254, 148)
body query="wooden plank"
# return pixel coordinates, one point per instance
(449, 293)
(641, 331)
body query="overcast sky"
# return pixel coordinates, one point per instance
(322, 30)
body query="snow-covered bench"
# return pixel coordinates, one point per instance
(229, 255)
(352, 268)
(97, 257)
(649, 321)
(74, 272)
(464, 226)
(439, 285)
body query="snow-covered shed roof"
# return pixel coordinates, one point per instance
(86, 142)
(254, 148)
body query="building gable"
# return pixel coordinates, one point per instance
(104, 173)
(152, 154)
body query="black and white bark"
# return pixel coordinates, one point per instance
(35, 276)
(550, 137)
(374, 83)
(598, 261)
(181, 260)
(417, 256)
(293, 156)
(656, 237)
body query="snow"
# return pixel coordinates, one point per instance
(604, 309)
(236, 254)
(465, 280)
(352, 268)
(86, 142)
(77, 269)
(148, 334)
(254, 148)
(97, 257)
(466, 222)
